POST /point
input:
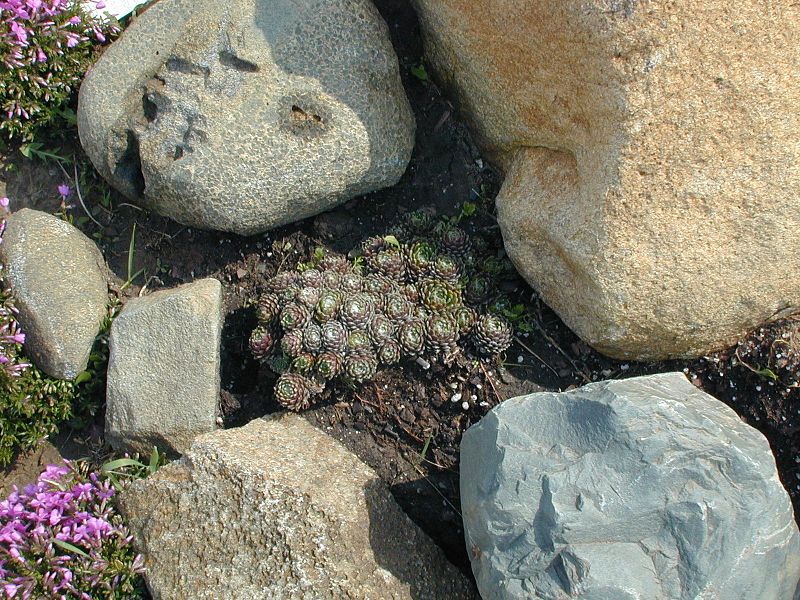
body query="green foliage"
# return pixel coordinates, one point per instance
(419, 72)
(45, 51)
(33, 405)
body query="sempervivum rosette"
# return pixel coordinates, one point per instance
(351, 283)
(269, 307)
(308, 296)
(303, 363)
(378, 285)
(331, 280)
(492, 334)
(360, 366)
(327, 306)
(420, 257)
(294, 316)
(311, 278)
(446, 268)
(282, 282)
(478, 290)
(419, 222)
(372, 246)
(334, 263)
(334, 337)
(400, 232)
(411, 337)
(358, 340)
(357, 311)
(438, 295)
(292, 342)
(382, 329)
(329, 365)
(389, 352)
(262, 342)
(441, 334)
(312, 338)
(389, 263)
(465, 318)
(397, 307)
(292, 391)
(454, 240)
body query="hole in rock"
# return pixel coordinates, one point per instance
(129, 165)
(149, 108)
(229, 59)
(299, 115)
(182, 65)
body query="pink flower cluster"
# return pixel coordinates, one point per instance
(34, 35)
(11, 336)
(62, 538)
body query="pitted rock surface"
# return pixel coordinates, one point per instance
(651, 156)
(279, 510)
(59, 281)
(246, 115)
(163, 368)
(644, 488)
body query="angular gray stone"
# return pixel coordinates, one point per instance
(279, 509)
(644, 488)
(59, 281)
(163, 369)
(246, 115)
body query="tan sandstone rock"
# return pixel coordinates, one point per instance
(280, 510)
(652, 158)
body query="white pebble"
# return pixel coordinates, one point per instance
(520, 359)
(465, 405)
(624, 367)
(473, 397)
(455, 397)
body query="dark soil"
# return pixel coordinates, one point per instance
(408, 422)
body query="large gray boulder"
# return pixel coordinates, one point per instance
(644, 489)
(59, 281)
(278, 509)
(246, 115)
(163, 369)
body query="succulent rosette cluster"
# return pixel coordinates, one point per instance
(62, 538)
(419, 293)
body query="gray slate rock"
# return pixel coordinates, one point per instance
(163, 369)
(246, 115)
(644, 488)
(59, 281)
(278, 509)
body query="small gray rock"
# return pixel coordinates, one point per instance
(245, 115)
(163, 370)
(644, 488)
(278, 509)
(59, 281)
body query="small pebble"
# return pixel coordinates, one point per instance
(455, 397)
(465, 405)
(520, 359)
